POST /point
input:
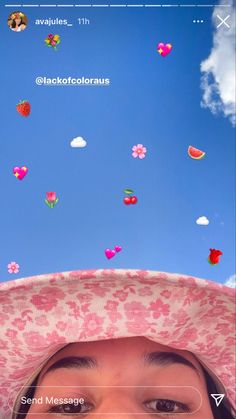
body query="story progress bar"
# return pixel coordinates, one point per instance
(118, 5)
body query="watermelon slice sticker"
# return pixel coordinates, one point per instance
(195, 153)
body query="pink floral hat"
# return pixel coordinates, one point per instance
(41, 314)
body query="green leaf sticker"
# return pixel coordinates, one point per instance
(48, 203)
(128, 191)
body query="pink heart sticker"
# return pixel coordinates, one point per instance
(118, 249)
(110, 253)
(20, 172)
(164, 49)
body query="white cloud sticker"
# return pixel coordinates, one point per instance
(78, 142)
(202, 221)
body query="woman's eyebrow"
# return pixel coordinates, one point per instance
(74, 362)
(166, 358)
(151, 358)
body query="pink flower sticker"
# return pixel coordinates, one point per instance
(51, 199)
(139, 151)
(13, 268)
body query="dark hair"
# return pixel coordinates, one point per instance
(220, 412)
(13, 25)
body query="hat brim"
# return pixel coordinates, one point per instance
(43, 313)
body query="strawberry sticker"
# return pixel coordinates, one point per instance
(23, 108)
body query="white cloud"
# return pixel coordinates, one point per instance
(218, 70)
(231, 281)
(78, 142)
(202, 221)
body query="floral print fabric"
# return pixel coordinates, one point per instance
(38, 315)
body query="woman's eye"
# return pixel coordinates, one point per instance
(166, 406)
(71, 409)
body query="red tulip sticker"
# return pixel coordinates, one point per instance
(51, 199)
(214, 256)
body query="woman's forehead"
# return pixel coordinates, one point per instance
(125, 349)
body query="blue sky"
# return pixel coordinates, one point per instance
(152, 100)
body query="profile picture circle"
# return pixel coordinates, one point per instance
(17, 21)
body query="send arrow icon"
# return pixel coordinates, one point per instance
(218, 398)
